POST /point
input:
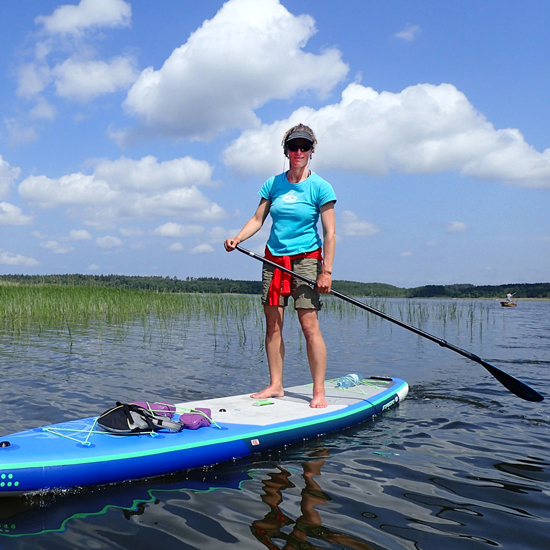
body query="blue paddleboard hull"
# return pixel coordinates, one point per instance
(77, 453)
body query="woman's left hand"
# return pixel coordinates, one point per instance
(324, 283)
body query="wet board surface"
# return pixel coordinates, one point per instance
(78, 453)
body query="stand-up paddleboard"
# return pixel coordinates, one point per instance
(79, 453)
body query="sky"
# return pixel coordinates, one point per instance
(135, 135)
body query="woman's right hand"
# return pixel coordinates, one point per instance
(230, 244)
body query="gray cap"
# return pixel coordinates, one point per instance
(299, 134)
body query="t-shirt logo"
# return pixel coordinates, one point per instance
(289, 197)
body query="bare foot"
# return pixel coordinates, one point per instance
(318, 402)
(270, 391)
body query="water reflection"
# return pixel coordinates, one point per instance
(50, 512)
(273, 526)
(532, 468)
(180, 510)
(460, 464)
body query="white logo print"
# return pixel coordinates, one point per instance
(289, 197)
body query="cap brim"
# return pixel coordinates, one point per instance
(299, 135)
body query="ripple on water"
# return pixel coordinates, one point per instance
(462, 463)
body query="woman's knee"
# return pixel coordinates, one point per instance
(273, 328)
(310, 324)
(274, 320)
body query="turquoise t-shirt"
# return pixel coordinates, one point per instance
(295, 209)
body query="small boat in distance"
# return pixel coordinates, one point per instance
(508, 302)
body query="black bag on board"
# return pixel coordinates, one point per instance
(132, 419)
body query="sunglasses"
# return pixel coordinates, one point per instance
(304, 147)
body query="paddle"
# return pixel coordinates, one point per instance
(514, 385)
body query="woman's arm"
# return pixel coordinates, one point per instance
(251, 227)
(328, 220)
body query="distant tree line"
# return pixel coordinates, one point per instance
(215, 285)
(519, 290)
(155, 284)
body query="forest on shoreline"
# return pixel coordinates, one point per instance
(213, 285)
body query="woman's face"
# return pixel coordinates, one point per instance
(299, 151)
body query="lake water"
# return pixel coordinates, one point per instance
(460, 464)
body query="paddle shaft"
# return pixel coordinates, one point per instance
(514, 385)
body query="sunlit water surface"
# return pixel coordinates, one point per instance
(461, 463)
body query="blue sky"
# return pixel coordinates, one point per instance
(135, 135)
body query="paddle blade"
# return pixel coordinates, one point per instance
(517, 387)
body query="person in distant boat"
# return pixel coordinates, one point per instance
(509, 297)
(295, 199)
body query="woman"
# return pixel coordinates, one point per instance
(295, 199)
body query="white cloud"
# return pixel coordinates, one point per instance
(57, 247)
(63, 56)
(249, 53)
(187, 201)
(129, 189)
(219, 234)
(19, 132)
(32, 78)
(11, 215)
(79, 235)
(409, 33)
(77, 78)
(351, 226)
(176, 247)
(131, 231)
(9, 258)
(83, 80)
(422, 130)
(8, 175)
(149, 174)
(108, 242)
(93, 267)
(172, 229)
(202, 249)
(43, 110)
(406, 254)
(70, 19)
(74, 189)
(456, 227)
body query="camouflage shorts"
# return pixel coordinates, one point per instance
(305, 295)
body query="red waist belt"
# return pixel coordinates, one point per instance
(280, 284)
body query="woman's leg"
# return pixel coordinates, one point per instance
(316, 354)
(275, 350)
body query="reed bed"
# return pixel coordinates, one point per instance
(470, 314)
(50, 305)
(113, 312)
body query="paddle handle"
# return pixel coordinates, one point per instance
(517, 387)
